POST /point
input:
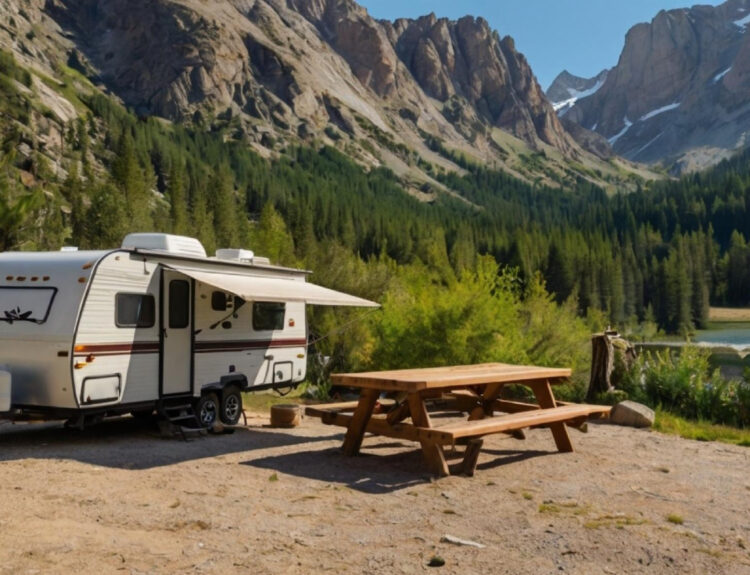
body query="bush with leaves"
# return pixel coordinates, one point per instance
(685, 384)
(484, 316)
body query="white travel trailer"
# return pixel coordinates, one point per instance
(154, 325)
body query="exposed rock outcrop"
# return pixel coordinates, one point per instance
(681, 85)
(567, 89)
(418, 96)
(277, 59)
(467, 59)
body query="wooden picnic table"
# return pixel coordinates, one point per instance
(475, 389)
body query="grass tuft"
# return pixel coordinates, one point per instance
(676, 519)
(700, 430)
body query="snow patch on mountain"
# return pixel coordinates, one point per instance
(722, 74)
(658, 111)
(575, 95)
(743, 22)
(562, 106)
(616, 137)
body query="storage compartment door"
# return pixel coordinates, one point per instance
(100, 389)
(5, 383)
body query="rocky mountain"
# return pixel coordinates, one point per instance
(679, 93)
(414, 95)
(567, 89)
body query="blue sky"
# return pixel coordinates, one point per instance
(582, 36)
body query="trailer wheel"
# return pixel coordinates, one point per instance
(206, 409)
(231, 406)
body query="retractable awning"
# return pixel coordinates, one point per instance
(252, 288)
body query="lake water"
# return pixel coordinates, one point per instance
(735, 335)
(729, 344)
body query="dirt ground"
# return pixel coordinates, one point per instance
(118, 498)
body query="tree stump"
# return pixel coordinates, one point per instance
(602, 364)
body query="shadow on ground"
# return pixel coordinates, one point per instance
(368, 473)
(375, 473)
(126, 443)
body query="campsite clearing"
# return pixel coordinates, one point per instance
(118, 498)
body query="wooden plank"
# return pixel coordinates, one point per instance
(433, 452)
(456, 402)
(546, 400)
(319, 409)
(503, 423)
(508, 406)
(448, 434)
(413, 380)
(471, 457)
(380, 426)
(399, 413)
(356, 430)
(315, 410)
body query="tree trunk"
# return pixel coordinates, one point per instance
(602, 364)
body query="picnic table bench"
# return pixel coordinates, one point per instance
(475, 389)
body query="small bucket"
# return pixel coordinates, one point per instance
(285, 415)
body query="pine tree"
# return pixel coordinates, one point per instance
(224, 208)
(271, 238)
(203, 218)
(133, 183)
(178, 205)
(108, 220)
(72, 190)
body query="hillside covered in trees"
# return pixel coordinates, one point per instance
(661, 254)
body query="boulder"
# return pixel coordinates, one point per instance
(632, 414)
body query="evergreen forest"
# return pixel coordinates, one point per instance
(655, 257)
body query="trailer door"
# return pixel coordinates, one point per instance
(176, 333)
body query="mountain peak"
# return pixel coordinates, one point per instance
(566, 89)
(416, 95)
(680, 85)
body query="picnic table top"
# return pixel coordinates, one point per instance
(412, 380)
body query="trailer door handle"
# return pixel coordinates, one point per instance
(164, 332)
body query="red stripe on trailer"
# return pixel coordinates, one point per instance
(200, 347)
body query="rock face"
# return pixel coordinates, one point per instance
(680, 88)
(632, 414)
(567, 89)
(467, 60)
(302, 65)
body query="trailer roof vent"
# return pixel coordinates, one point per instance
(166, 243)
(235, 255)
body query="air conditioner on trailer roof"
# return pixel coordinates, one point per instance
(166, 243)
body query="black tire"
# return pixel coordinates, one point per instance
(231, 406)
(207, 409)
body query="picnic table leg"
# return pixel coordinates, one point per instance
(361, 417)
(545, 399)
(433, 453)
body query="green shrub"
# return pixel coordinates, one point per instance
(685, 384)
(484, 316)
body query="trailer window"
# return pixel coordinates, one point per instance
(268, 316)
(179, 304)
(222, 301)
(135, 310)
(219, 301)
(26, 304)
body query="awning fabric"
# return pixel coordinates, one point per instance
(251, 288)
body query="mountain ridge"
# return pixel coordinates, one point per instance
(678, 94)
(413, 95)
